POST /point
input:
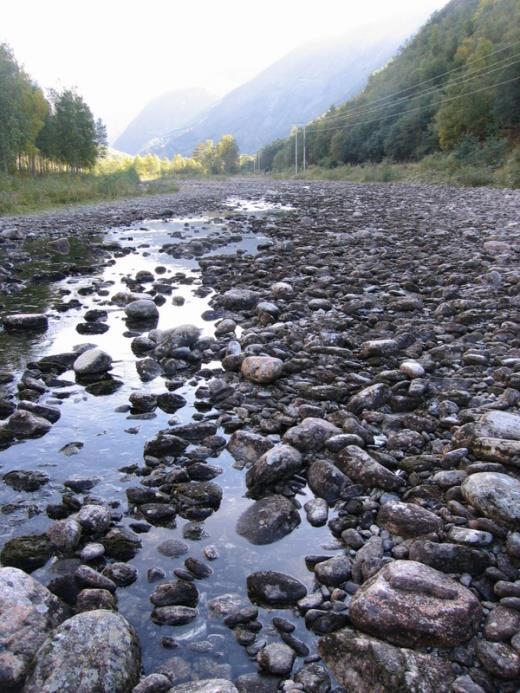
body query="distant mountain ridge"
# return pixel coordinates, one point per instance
(174, 109)
(297, 87)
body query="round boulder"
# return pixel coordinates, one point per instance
(410, 604)
(92, 362)
(268, 520)
(142, 310)
(261, 369)
(95, 650)
(495, 495)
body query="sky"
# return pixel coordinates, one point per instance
(119, 54)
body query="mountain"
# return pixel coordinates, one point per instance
(300, 86)
(172, 110)
(454, 86)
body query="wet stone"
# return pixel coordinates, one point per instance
(410, 604)
(95, 649)
(26, 480)
(274, 589)
(268, 520)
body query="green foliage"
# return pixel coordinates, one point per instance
(458, 77)
(220, 158)
(37, 135)
(23, 110)
(23, 193)
(70, 135)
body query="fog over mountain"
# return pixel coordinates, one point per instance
(174, 109)
(296, 88)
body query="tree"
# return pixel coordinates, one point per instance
(206, 154)
(228, 155)
(74, 131)
(22, 111)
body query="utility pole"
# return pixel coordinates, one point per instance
(296, 151)
(304, 153)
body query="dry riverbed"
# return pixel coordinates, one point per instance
(262, 435)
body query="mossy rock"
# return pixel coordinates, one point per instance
(27, 552)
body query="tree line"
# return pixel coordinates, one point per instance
(40, 134)
(454, 86)
(208, 158)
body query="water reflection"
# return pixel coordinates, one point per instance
(106, 440)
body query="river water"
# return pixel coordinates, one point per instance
(111, 440)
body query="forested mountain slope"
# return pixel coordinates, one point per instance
(456, 81)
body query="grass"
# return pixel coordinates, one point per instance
(436, 169)
(20, 194)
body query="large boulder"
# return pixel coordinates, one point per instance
(408, 519)
(273, 589)
(27, 552)
(449, 558)
(410, 604)
(23, 424)
(371, 397)
(359, 466)
(25, 322)
(246, 447)
(279, 463)
(494, 495)
(311, 434)
(268, 520)
(499, 424)
(326, 481)
(92, 362)
(28, 613)
(169, 340)
(261, 369)
(361, 663)
(92, 651)
(142, 310)
(240, 299)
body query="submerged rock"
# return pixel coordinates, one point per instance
(274, 589)
(27, 552)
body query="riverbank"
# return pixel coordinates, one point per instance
(305, 484)
(22, 194)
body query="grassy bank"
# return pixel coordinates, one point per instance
(438, 169)
(19, 194)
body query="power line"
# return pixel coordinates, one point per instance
(431, 79)
(372, 108)
(418, 108)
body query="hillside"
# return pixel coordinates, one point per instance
(455, 84)
(172, 110)
(296, 88)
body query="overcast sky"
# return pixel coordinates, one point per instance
(121, 53)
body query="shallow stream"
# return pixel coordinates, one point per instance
(113, 439)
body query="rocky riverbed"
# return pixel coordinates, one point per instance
(262, 435)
